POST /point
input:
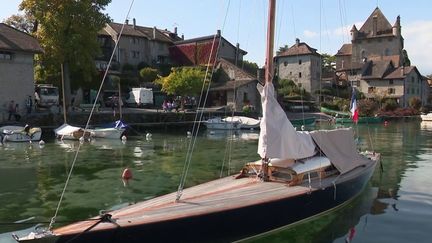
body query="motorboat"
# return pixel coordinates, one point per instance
(245, 122)
(218, 123)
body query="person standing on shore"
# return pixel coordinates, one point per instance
(11, 109)
(29, 104)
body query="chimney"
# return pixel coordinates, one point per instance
(127, 21)
(182, 37)
(374, 25)
(175, 30)
(218, 33)
(297, 41)
(134, 23)
(154, 32)
(237, 52)
(260, 74)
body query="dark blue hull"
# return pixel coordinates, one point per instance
(239, 223)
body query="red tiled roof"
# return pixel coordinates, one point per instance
(15, 40)
(140, 31)
(383, 27)
(345, 50)
(400, 72)
(299, 49)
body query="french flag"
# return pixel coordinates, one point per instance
(354, 108)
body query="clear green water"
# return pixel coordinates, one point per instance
(395, 207)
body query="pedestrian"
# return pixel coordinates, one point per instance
(11, 109)
(29, 104)
(16, 114)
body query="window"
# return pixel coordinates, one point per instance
(135, 54)
(391, 91)
(285, 63)
(387, 52)
(371, 90)
(300, 75)
(391, 81)
(412, 79)
(245, 97)
(300, 61)
(290, 73)
(4, 55)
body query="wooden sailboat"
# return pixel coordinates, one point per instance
(300, 175)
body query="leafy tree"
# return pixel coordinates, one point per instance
(148, 74)
(183, 81)
(67, 31)
(406, 60)
(24, 23)
(250, 67)
(327, 63)
(282, 49)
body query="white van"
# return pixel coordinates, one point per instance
(140, 97)
(46, 95)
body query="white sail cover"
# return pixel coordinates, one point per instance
(278, 138)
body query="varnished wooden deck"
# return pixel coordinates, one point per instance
(213, 196)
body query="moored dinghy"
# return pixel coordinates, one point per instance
(300, 175)
(20, 133)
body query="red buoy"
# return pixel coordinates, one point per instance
(127, 174)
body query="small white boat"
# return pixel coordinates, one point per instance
(69, 132)
(246, 122)
(219, 124)
(111, 131)
(20, 133)
(426, 117)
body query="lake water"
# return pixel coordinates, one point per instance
(396, 206)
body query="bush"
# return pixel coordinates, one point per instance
(415, 103)
(367, 107)
(390, 105)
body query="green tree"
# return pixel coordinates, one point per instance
(406, 60)
(281, 49)
(67, 31)
(24, 23)
(328, 62)
(183, 81)
(148, 74)
(250, 67)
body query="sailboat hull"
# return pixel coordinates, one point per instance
(215, 217)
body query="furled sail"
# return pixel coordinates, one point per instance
(278, 137)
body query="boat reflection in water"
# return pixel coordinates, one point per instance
(426, 125)
(345, 223)
(234, 135)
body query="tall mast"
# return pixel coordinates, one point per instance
(270, 41)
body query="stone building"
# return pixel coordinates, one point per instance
(234, 88)
(17, 50)
(300, 63)
(197, 51)
(374, 62)
(137, 45)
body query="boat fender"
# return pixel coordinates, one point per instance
(127, 174)
(385, 123)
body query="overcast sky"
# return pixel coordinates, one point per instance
(323, 25)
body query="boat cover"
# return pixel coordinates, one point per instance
(66, 129)
(278, 137)
(338, 145)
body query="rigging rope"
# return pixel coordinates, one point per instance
(53, 219)
(200, 111)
